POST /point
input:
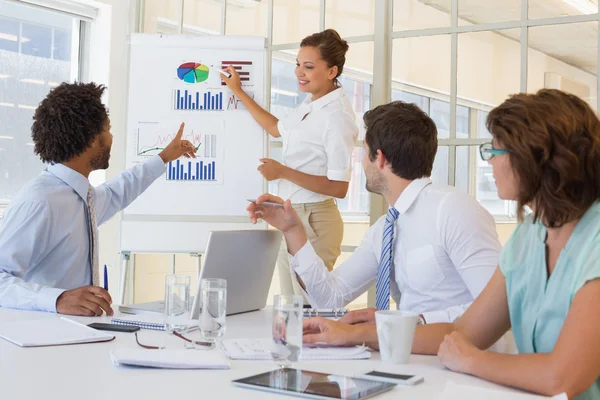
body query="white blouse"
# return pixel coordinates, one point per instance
(320, 144)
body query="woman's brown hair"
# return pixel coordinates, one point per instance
(553, 140)
(331, 46)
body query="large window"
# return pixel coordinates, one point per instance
(456, 65)
(455, 70)
(39, 49)
(460, 70)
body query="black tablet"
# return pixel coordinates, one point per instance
(314, 385)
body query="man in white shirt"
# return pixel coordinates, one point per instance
(433, 252)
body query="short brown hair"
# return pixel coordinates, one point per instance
(405, 135)
(553, 140)
(331, 46)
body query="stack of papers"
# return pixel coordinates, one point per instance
(176, 359)
(50, 332)
(258, 349)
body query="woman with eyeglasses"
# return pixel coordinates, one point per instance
(545, 155)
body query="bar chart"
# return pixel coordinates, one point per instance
(180, 170)
(210, 146)
(243, 68)
(189, 100)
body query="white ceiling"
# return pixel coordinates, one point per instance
(575, 44)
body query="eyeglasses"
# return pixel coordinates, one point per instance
(191, 344)
(487, 151)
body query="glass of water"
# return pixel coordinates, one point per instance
(177, 303)
(213, 309)
(286, 347)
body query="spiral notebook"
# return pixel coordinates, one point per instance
(149, 324)
(155, 326)
(258, 349)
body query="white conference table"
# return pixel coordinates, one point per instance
(86, 372)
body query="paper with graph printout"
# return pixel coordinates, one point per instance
(184, 85)
(258, 349)
(52, 331)
(175, 79)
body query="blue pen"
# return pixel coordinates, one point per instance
(105, 278)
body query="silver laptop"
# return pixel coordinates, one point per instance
(246, 259)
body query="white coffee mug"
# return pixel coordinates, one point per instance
(395, 331)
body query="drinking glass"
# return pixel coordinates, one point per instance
(286, 347)
(177, 303)
(213, 309)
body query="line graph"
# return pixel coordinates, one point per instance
(234, 103)
(149, 145)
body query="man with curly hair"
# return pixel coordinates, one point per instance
(48, 237)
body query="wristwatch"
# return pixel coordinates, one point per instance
(421, 320)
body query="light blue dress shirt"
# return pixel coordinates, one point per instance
(539, 305)
(44, 235)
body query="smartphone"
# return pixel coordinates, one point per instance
(393, 378)
(113, 327)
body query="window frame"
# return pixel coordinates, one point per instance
(381, 38)
(387, 34)
(523, 23)
(83, 15)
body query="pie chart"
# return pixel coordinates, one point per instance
(192, 72)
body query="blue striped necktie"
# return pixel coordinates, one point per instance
(382, 286)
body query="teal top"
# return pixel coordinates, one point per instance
(539, 305)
